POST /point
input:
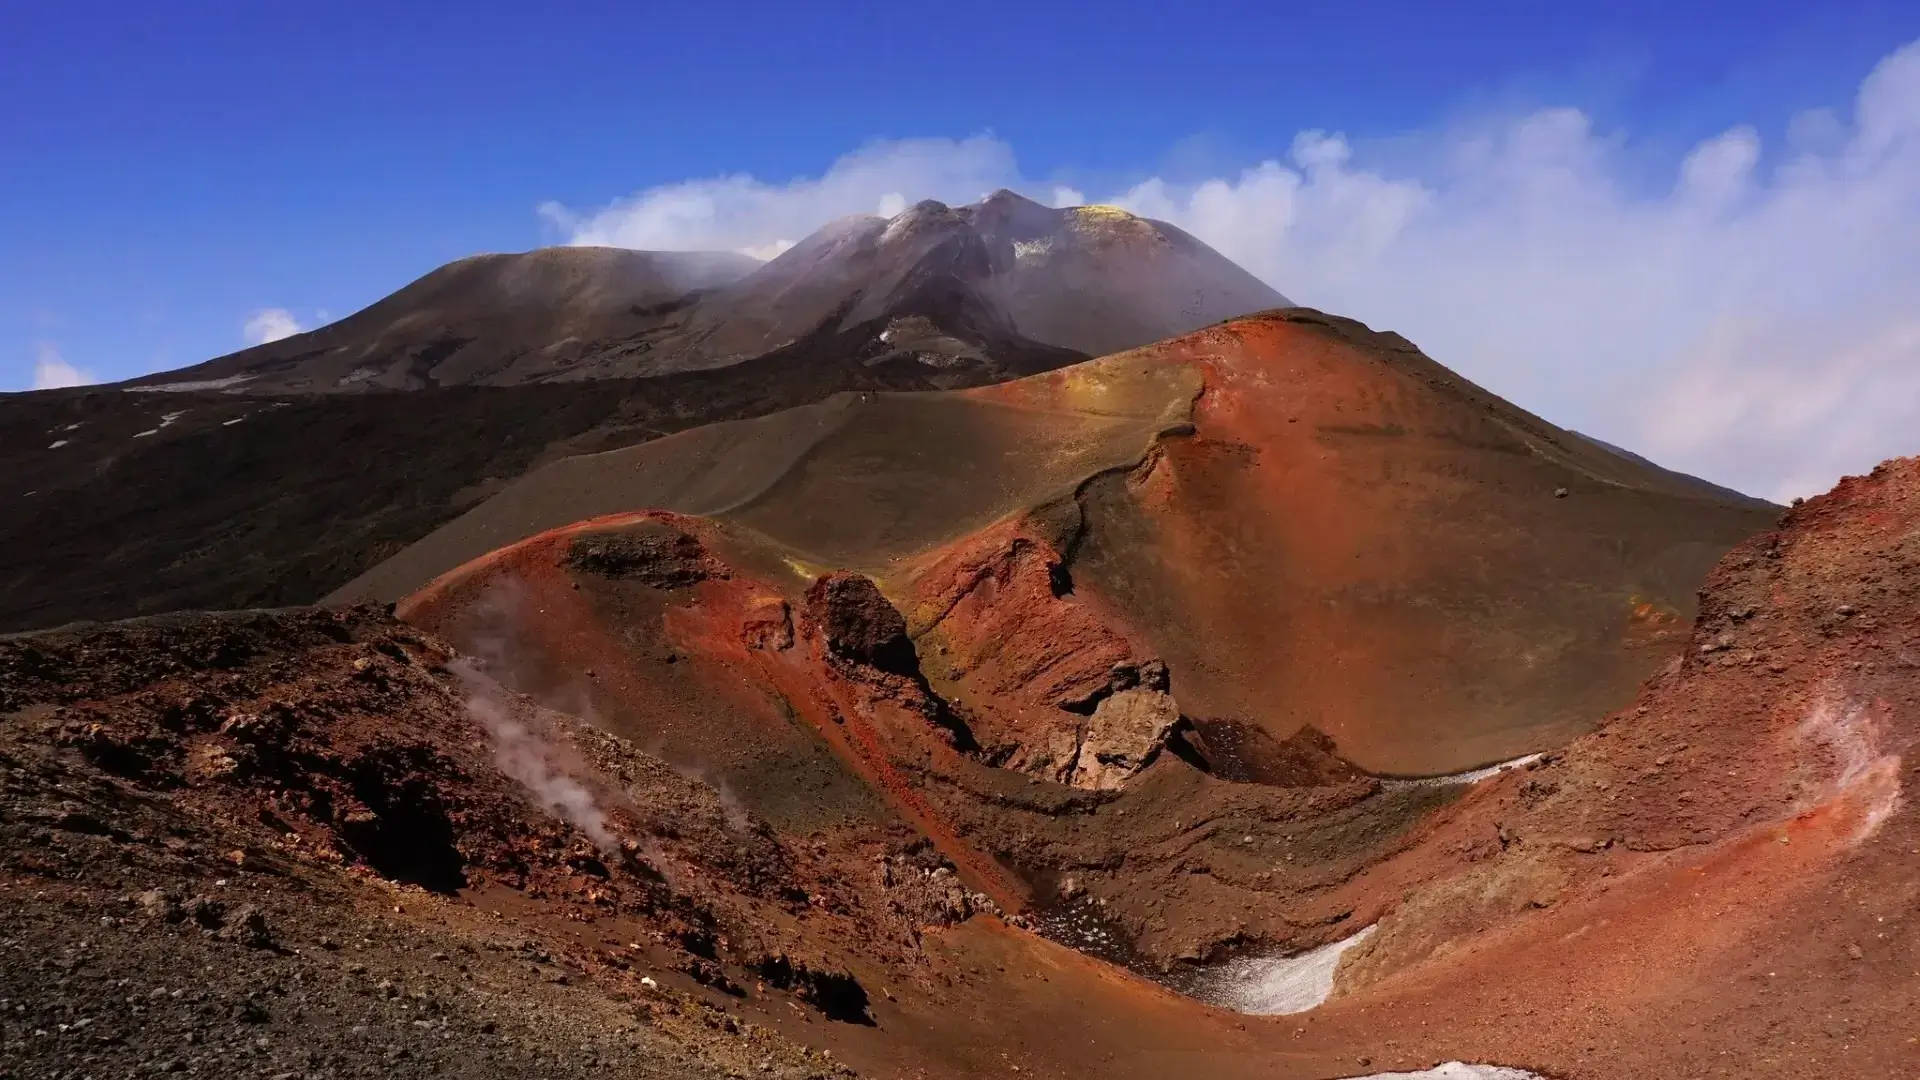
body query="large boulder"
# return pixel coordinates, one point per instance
(859, 624)
(1127, 731)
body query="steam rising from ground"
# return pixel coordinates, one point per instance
(537, 764)
(1850, 734)
(1749, 318)
(273, 324)
(492, 638)
(52, 372)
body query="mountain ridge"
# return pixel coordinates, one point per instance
(1003, 275)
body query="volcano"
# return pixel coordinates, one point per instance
(991, 640)
(1001, 282)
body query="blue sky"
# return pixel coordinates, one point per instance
(172, 170)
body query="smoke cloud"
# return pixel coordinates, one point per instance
(531, 760)
(1749, 319)
(52, 372)
(273, 324)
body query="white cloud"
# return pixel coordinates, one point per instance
(52, 372)
(740, 213)
(767, 251)
(1753, 320)
(272, 324)
(1066, 196)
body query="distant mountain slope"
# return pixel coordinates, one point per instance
(1705, 487)
(950, 288)
(482, 319)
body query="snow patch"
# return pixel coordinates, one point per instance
(183, 387)
(166, 421)
(1032, 249)
(57, 444)
(1276, 985)
(1472, 776)
(1457, 1070)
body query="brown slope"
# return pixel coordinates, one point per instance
(1712, 883)
(1311, 524)
(1718, 881)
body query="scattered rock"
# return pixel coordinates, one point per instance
(162, 905)
(249, 927)
(207, 911)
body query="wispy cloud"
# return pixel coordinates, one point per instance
(271, 324)
(1752, 320)
(52, 372)
(740, 213)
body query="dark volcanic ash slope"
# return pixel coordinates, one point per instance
(135, 503)
(1102, 280)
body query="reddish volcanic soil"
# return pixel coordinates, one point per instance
(379, 860)
(793, 788)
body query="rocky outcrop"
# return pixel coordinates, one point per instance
(1034, 663)
(999, 616)
(658, 555)
(1126, 732)
(859, 624)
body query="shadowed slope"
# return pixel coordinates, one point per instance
(217, 500)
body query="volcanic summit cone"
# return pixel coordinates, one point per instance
(997, 285)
